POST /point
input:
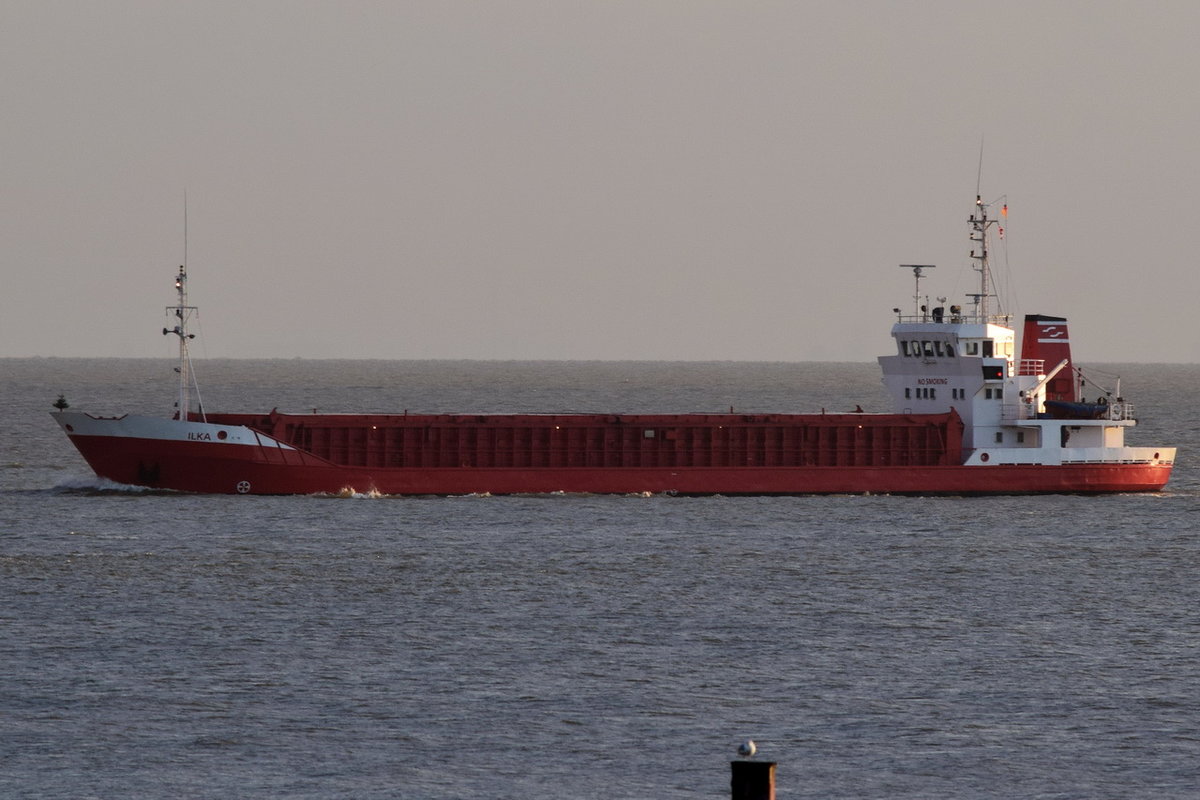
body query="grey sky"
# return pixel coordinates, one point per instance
(589, 180)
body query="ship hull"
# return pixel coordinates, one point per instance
(234, 459)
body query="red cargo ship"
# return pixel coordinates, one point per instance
(969, 418)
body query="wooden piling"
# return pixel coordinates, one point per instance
(752, 780)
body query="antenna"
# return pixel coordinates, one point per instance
(917, 275)
(979, 174)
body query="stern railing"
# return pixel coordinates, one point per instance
(1116, 411)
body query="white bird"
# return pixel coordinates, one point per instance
(747, 748)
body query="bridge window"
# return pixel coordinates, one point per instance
(938, 347)
(949, 349)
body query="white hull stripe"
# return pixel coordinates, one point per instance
(131, 427)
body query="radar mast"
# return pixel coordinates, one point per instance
(979, 231)
(918, 273)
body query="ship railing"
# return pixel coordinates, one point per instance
(1014, 412)
(956, 319)
(1032, 366)
(1120, 410)
(1117, 411)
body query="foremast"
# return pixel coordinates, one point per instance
(183, 314)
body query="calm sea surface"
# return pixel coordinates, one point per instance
(160, 645)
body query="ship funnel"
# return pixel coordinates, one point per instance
(1045, 339)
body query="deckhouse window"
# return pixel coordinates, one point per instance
(972, 348)
(950, 349)
(904, 347)
(938, 347)
(928, 346)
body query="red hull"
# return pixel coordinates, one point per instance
(219, 468)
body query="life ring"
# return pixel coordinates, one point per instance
(983, 457)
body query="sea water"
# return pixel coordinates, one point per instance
(158, 644)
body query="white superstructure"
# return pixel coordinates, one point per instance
(947, 359)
